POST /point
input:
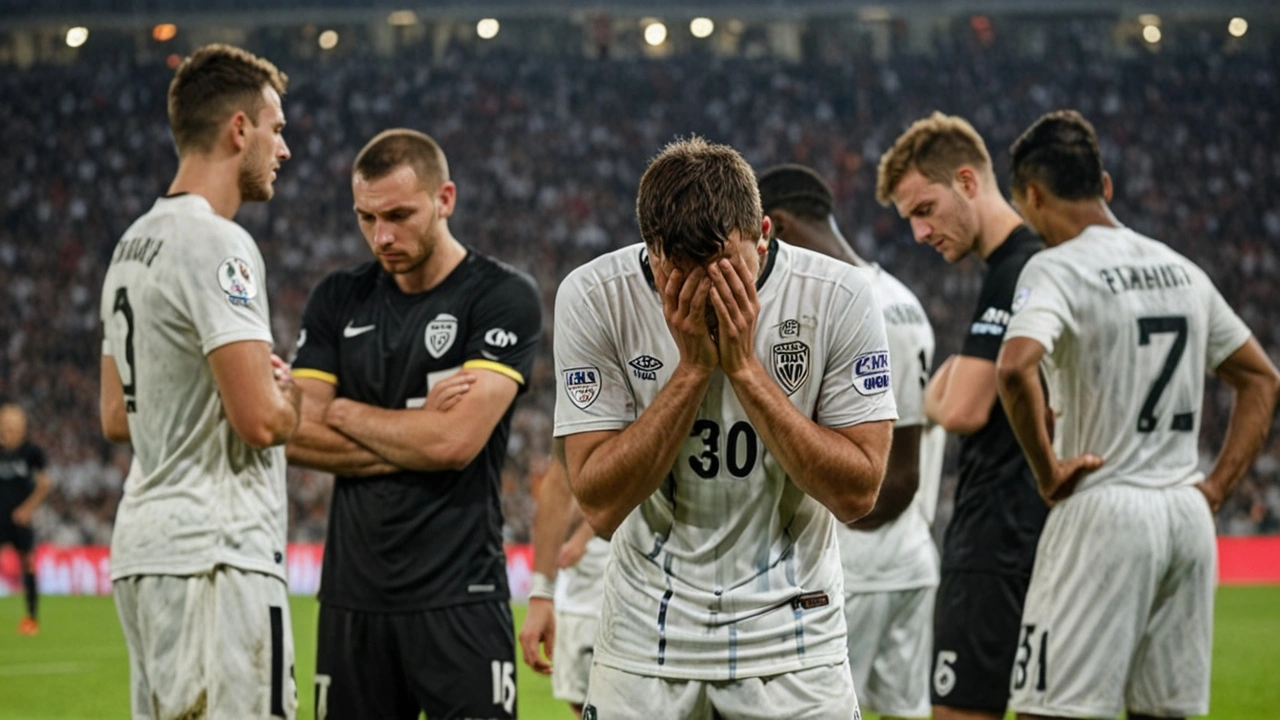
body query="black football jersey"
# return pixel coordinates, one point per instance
(998, 511)
(413, 540)
(18, 468)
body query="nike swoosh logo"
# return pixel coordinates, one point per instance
(349, 331)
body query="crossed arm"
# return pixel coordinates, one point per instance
(354, 439)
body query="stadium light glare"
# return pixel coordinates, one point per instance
(164, 32)
(1148, 19)
(1151, 34)
(328, 39)
(77, 36)
(488, 28)
(1238, 27)
(402, 18)
(655, 33)
(701, 27)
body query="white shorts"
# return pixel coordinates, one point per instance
(1119, 614)
(819, 693)
(216, 646)
(574, 649)
(890, 641)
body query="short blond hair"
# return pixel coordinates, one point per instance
(937, 146)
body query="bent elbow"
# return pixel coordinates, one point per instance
(854, 507)
(458, 456)
(601, 519)
(964, 421)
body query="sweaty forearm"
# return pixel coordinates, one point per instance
(551, 520)
(1247, 430)
(826, 465)
(1023, 399)
(626, 469)
(415, 439)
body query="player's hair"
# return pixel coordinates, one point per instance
(215, 82)
(390, 149)
(1060, 151)
(798, 189)
(936, 146)
(693, 195)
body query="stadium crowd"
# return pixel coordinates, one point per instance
(547, 152)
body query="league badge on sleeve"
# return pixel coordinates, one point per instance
(440, 334)
(871, 372)
(236, 280)
(1021, 298)
(791, 365)
(582, 385)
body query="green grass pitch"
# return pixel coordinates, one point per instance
(77, 667)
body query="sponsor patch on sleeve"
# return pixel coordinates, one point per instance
(871, 372)
(1020, 299)
(582, 385)
(236, 279)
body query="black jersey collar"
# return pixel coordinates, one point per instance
(764, 274)
(1021, 235)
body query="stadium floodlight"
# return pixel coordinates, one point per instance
(164, 32)
(403, 18)
(1151, 34)
(655, 33)
(488, 28)
(328, 39)
(701, 27)
(1238, 27)
(77, 36)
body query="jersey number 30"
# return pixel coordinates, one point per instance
(1147, 327)
(742, 447)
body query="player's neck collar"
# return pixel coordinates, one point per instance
(770, 261)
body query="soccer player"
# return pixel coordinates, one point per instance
(890, 562)
(24, 483)
(188, 377)
(939, 176)
(1119, 615)
(563, 617)
(724, 401)
(410, 366)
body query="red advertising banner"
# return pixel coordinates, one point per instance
(85, 570)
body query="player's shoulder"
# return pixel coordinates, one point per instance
(889, 287)
(492, 273)
(628, 264)
(360, 279)
(800, 264)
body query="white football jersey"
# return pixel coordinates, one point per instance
(182, 282)
(1129, 328)
(729, 570)
(578, 589)
(900, 555)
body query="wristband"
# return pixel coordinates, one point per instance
(542, 587)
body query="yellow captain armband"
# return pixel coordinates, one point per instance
(494, 366)
(320, 375)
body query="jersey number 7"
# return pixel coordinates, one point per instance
(1147, 327)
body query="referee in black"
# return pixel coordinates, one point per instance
(24, 483)
(410, 366)
(939, 176)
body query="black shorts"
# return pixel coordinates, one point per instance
(455, 662)
(976, 620)
(22, 538)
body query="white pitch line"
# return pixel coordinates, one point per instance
(67, 668)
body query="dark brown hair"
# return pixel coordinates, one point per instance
(215, 82)
(392, 148)
(693, 195)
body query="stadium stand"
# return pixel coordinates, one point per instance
(547, 149)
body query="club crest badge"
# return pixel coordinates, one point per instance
(582, 385)
(236, 280)
(789, 328)
(791, 365)
(440, 334)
